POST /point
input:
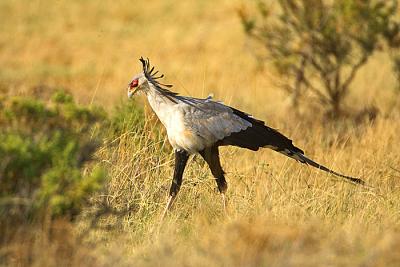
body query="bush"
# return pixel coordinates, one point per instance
(50, 173)
(44, 151)
(318, 46)
(126, 117)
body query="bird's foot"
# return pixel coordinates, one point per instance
(166, 210)
(167, 207)
(225, 204)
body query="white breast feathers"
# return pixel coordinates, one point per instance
(194, 124)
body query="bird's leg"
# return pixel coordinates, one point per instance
(222, 189)
(181, 158)
(222, 186)
(224, 203)
(167, 207)
(211, 156)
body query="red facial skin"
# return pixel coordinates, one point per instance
(133, 84)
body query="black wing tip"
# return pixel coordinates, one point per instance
(297, 150)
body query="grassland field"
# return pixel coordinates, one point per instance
(281, 213)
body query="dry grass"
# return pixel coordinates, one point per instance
(280, 213)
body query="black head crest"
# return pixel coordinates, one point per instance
(152, 77)
(143, 63)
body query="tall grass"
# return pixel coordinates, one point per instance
(281, 213)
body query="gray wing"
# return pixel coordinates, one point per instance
(222, 125)
(212, 121)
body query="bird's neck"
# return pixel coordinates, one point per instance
(160, 104)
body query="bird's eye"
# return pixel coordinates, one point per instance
(134, 84)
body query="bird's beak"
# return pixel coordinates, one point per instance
(131, 92)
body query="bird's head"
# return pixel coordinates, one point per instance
(138, 83)
(143, 81)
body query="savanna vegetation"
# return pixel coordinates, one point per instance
(84, 173)
(318, 47)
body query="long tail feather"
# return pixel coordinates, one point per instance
(303, 159)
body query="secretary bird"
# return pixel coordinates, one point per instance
(196, 125)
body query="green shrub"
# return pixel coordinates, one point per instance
(126, 117)
(319, 46)
(44, 151)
